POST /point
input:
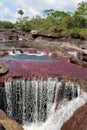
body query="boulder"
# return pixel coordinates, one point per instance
(6, 123)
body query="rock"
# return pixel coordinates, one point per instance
(3, 68)
(58, 54)
(85, 58)
(2, 53)
(9, 124)
(2, 127)
(34, 32)
(78, 62)
(3, 115)
(78, 121)
(6, 123)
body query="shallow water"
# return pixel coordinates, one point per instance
(27, 57)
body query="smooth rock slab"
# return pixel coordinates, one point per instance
(6, 123)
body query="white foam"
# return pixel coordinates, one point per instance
(15, 52)
(32, 126)
(36, 54)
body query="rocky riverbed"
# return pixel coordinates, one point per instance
(70, 64)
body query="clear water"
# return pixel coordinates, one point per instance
(27, 57)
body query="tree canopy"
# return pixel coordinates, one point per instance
(21, 12)
(54, 22)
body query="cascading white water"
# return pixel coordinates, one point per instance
(8, 90)
(76, 54)
(33, 102)
(29, 100)
(64, 111)
(14, 52)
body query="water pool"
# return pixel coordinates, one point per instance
(26, 56)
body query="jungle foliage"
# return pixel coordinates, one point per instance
(54, 22)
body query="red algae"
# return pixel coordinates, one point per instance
(38, 69)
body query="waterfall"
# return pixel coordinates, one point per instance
(77, 55)
(14, 52)
(42, 101)
(29, 100)
(64, 111)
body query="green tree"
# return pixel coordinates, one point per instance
(6, 25)
(82, 9)
(48, 12)
(80, 16)
(21, 12)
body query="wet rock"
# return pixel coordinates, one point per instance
(3, 69)
(78, 121)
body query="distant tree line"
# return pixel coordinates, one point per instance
(54, 22)
(6, 25)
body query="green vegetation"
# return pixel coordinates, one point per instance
(6, 25)
(54, 22)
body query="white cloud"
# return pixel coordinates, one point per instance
(25, 6)
(34, 7)
(50, 2)
(33, 11)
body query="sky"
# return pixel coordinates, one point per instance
(9, 8)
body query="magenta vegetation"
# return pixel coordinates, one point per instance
(40, 69)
